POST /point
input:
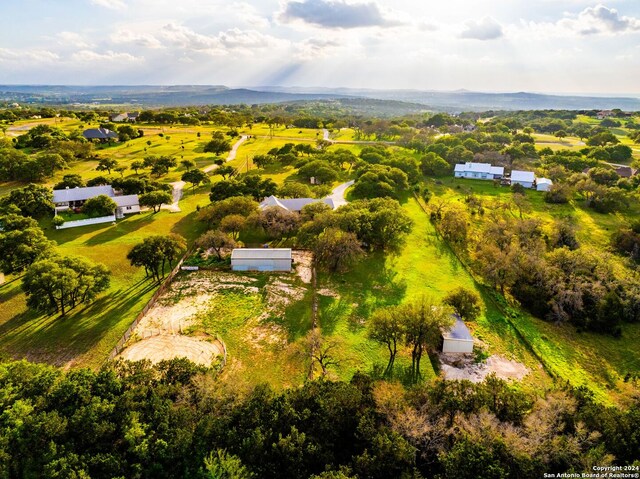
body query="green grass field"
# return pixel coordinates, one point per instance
(596, 361)
(87, 334)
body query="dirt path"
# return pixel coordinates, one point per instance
(337, 195)
(178, 186)
(231, 156)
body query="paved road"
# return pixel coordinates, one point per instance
(337, 195)
(178, 186)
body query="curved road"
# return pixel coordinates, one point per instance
(337, 195)
(178, 186)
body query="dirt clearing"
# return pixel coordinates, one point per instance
(162, 347)
(464, 367)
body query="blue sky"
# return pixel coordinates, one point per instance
(575, 46)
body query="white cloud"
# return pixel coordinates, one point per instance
(35, 56)
(485, 29)
(335, 14)
(146, 40)
(598, 20)
(73, 39)
(315, 48)
(234, 40)
(110, 4)
(108, 56)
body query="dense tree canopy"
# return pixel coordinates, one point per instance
(57, 284)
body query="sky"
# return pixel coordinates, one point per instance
(556, 46)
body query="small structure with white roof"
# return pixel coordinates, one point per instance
(261, 259)
(458, 339)
(293, 204)
(478, 171)
(543, 184)
(524, 178)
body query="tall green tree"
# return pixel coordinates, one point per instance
(57, 284)
(22, 242)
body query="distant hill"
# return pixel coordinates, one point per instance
(402, 101)
(464, 100)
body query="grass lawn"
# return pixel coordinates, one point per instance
(424, 266)
(596, 361)
(87, 334)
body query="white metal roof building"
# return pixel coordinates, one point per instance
(64, 197)
(293, 204)
(480, 171)
(524, 178)
(543, 184)
(261, 259)
(458, 339)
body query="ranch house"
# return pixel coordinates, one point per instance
(71, 198)
(103, 135)
(261, 259)
(478, 171)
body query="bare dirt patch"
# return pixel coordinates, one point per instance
(464, 367)
(164, 346)
(303, 261)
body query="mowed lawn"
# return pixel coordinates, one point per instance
(87, 334)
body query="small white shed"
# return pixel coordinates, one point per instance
(543, 184)
(458, 339)
(261, 259)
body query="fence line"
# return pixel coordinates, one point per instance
(163, 287)
(86, 221)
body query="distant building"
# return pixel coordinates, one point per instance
(294, 204)
(479, 171)
(625, 171)
(458, 339)
(261, 259)
(601, 115)
(119, 117)
(122, 117)
(100, 134)
(543, 184)
(524, 178)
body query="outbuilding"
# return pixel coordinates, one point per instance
(261, 259)
(524, 178)
(458, 339)
(543, 184)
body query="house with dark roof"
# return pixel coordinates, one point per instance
(100, 134)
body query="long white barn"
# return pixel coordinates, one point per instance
(478, 171)
(261, 259)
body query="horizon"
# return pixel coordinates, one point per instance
(574, 47)
(620, 95)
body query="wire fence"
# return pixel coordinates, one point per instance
(163, 288)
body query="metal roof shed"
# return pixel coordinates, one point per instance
(458, 339)
(261, 259)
